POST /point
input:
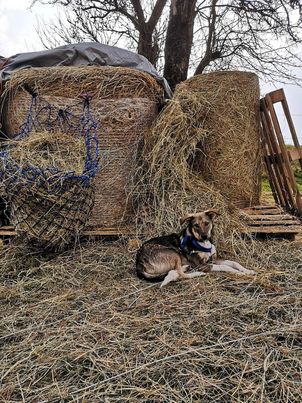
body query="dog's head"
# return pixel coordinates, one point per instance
(200, 225)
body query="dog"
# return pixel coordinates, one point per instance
(186, 255)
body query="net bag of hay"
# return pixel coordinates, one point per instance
(228, 154)
(125, 104)
(48, 175)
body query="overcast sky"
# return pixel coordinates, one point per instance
(18, 35)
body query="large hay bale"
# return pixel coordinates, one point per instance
(124, 103)
(228, 154)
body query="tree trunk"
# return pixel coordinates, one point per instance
(179, 40)
(206, 60)
(147, 47)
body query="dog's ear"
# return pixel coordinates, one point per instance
(212, 213)
(186, 218)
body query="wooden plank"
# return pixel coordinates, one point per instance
(273, 223)
(279, 164)
(272, 148)
(292, 128)
(277, 95)
(294, 155)
(275, 187)
(271, 217)
(274, 168)
(262, 207)
(293, 229)
(284, 163)
(267, 211)
(271, 161)
(272, 176)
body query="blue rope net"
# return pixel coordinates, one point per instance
(50, 206)
(10, 171)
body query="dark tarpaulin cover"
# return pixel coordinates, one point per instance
(81, 54)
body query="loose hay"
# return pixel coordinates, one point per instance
(47, 149)
(80, 326)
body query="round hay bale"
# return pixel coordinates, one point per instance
(228, 154)
(124, 103)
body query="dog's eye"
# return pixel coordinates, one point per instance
(196, 226)
(206, 223)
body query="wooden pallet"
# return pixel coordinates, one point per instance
(270, 221)
(259, 220)
(278, 159)
(9, 231)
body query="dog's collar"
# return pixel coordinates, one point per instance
(189, 243)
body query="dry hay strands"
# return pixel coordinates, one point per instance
(100, 82)
(80, 326)
(194, 128)
(46, 149)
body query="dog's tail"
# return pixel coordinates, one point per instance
(141, 274)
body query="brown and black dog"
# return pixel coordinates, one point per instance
(170, 257)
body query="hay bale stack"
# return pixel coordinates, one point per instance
(228, 154)
(124, 103)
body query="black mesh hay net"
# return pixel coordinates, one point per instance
(50, 207)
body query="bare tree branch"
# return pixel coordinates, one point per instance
(258, 35)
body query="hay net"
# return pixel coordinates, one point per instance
(51, 204)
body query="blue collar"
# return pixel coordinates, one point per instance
(189, 244)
